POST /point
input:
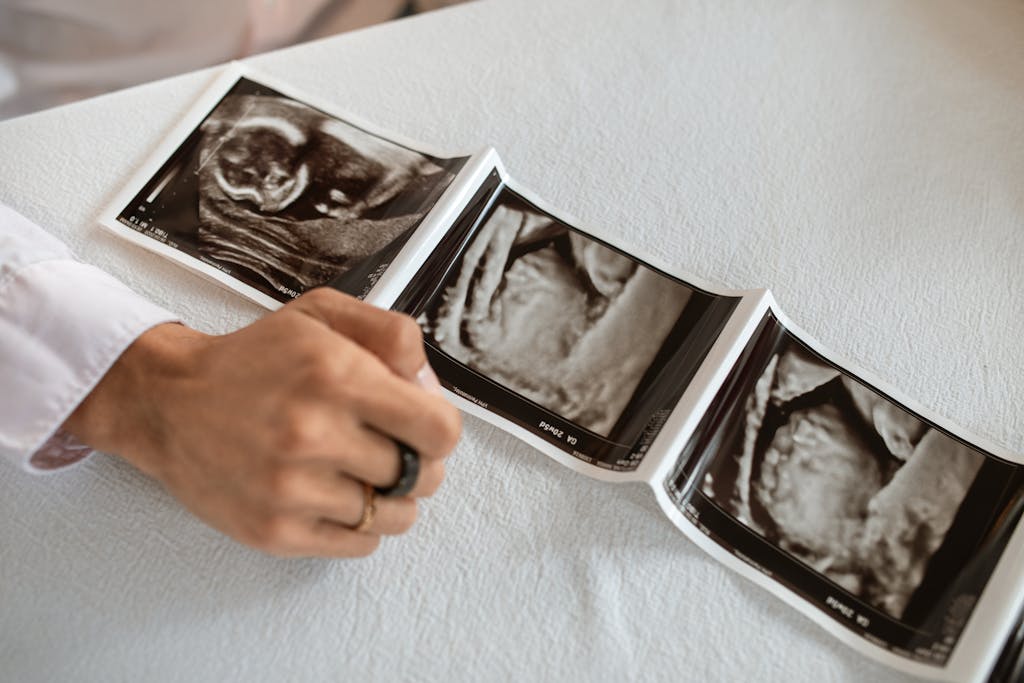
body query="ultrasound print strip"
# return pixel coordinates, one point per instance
(554, 315)
(284, 197)
(891, 511)
(844, 479)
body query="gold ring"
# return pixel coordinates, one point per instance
(369, 509)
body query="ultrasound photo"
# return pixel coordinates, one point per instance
(554, 315)
(842, 478)
(286, 197)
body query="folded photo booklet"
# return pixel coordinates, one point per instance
(882, 523)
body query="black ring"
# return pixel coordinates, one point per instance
(409, 472)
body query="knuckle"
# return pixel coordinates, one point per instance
(299, 432)
(444, 427)
(324, 366)
(403, 340)
(320, 296)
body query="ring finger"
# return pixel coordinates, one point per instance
(337, 498)
(372, 457)
(367, 455)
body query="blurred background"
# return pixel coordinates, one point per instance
(57, 51)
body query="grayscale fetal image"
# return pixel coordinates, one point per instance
(843, 478)
(554, 315)
(285, 197)
(295, 196)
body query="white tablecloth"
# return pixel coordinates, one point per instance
(864, 160)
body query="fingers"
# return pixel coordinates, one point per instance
(342, 500)
(317, 512)
(355, 379)
(365, 454)
(394, 338)
(293, 536)
(400, 410)
(351, 408)
(344, 385)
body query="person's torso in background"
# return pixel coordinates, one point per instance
(57, 51)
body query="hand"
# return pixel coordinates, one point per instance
(267, 433)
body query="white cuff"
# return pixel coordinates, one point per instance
(63, 324)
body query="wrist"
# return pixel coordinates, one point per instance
(122, 415)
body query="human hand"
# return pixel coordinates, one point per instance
(267, 433)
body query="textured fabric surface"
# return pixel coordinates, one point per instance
(861, 159)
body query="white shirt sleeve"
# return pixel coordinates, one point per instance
(62, 325)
